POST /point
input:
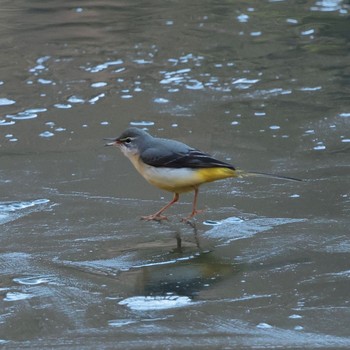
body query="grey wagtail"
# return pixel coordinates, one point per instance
(173, 166)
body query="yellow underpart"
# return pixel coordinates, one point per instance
(183, 179)
(213, 174)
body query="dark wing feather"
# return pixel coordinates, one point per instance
(173, 154)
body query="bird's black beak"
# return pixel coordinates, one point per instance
(111, 141)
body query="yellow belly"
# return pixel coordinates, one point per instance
(183, 180)
(213, 174)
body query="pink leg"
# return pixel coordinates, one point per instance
(157, 216)
(194, 210)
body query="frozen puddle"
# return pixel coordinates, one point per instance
(234, 228)
(147, 303)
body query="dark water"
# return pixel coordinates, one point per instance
(262, 84)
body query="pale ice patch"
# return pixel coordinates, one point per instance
(46, 134)
(161, 100)
(23, 115)
(14, 206)
(263, 325)
(103, 66)
(40, 64)
(16, 296)
(127, 96)
(75, 99)
(146, 303)
(62, 105)
(319, 147)
(94, 99)
(194, 84)
(242, 18)
(10, 211)
(99, 84)
(310, 88)
(308, 32)
(234, 228)
(143, 61)
(121, 323)
(33, 280)
(45, 81)
(5, 101)
(4, 122)
(244, 83)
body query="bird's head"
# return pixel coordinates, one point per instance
(131, 141)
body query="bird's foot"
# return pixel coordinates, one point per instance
(154, 217)
(194, 212)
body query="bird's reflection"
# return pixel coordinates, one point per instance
(178, 238)
(186, 271)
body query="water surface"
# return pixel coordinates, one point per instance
(263, 85)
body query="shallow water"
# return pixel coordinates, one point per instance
(264, 85)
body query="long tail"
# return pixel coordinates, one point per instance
(241, 173)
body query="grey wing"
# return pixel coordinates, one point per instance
(178, 155)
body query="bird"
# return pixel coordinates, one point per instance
(174, 166)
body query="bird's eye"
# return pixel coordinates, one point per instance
(127, 140)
